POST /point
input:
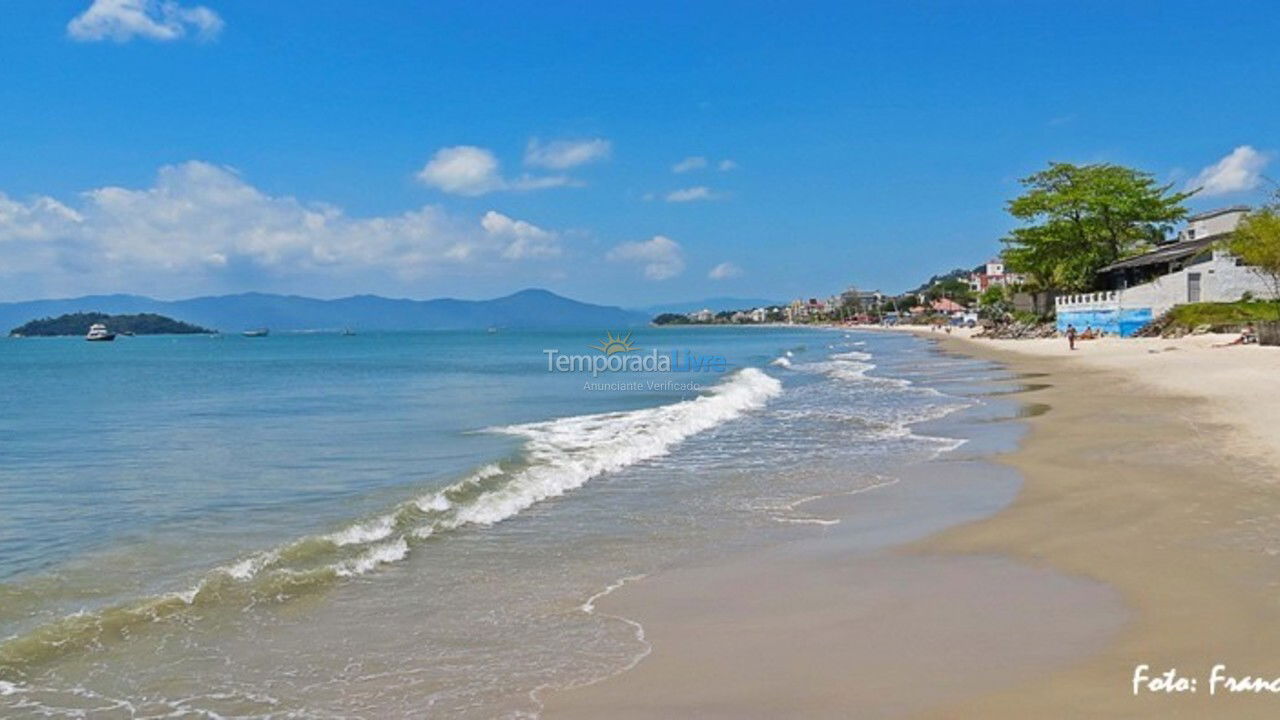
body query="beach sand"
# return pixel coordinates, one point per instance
(1146, 531)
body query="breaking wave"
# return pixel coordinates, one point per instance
(558, 456)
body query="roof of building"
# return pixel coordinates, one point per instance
(1219, 211)
(947, 305)
(1166, 253)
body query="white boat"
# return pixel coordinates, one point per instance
(260, 332)
(99, 333)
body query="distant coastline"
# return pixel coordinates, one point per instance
(527, 309)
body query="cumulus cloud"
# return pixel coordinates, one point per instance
(689, 164)
(201, 222)
(524, 240)
(726, 165)
(1240, 170)
(564, 154)
(161, 20)
(724, 271)
(690, 194)
(471, 170)
(660, 257)
(464, 170)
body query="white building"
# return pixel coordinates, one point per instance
(1191, 269)
(1212, 223)
(992, 273)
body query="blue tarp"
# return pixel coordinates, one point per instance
(1113, 322)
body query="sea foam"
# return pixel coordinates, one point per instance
(558, 456)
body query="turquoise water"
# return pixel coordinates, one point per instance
(397, 524)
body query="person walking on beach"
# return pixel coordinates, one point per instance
(1071, 336)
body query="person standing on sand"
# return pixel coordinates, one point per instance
(1071, 336)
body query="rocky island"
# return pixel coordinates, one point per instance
(79, 323)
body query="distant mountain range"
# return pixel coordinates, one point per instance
(715, 304)
(234, 313)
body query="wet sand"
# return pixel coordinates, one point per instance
(1139, 535)
(1136, 481)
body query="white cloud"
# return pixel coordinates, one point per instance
(1240, 170)
(661, 256)
(564, 154)
(691, 194)
(525, 240)
(464, 170)
(162, 20)
(726, 165)
(724, 271)
(201, 225)
(689, 164)
(471, 170)
(541, 182)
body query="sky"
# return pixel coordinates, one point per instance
(627, 154)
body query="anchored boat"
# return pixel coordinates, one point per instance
(99, 333)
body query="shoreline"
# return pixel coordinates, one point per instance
(860, 607)
(1124, 492)
(1152, 474)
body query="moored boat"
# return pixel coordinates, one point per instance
(99, 333)
(260, 332)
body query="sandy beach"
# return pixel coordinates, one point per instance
(1145, 530)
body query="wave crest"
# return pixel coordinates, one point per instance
(558, 456)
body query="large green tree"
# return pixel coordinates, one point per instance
(1257, 242)
(1079, 218)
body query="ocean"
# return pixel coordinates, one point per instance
(407, 524)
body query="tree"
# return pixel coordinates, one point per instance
(1080, 218)
(1256, 241)
(993, 303)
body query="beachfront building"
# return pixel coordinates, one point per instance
(1190, 269)
(947, 306)
(992, 273)
(857, 302)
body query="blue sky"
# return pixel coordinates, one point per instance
(426, 149)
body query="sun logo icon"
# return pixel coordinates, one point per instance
(611, 344)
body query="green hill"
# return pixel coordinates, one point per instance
(78, 324)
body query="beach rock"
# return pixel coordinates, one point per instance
(1019, 331)
(1202, 329)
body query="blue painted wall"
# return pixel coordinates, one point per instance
(1113, 322)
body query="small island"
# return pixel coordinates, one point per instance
(79, 323)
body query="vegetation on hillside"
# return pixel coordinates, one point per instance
(78, 324)
(947, 279)
(672, 319)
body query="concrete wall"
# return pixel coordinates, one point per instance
(1221, 280)
(1202, 227)
(1110, 321)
